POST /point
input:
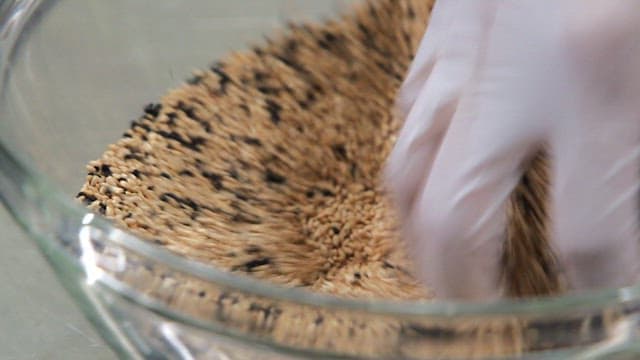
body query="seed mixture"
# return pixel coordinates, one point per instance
(268, 164)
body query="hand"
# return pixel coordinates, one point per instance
(493, 81)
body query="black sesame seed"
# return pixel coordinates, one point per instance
(372, 11)
(182, 201)
(195, 80)
(292, 64)
(259, 76)
(258, 51)
(292, 45)
(194, 143)
(251, 265)
(171, 118)
(326, 192)
(105, 170)
(267, 311)
(252, 141)
(268, 90)
(189, 111)
(224, 78)
(153, 109)
(434, 332)
(245, 108)
(253, 249)
(324, 44)
(274, 177)
(411, 13)
(340, 150)
(330, 37)
(206, 126)
(88, 199)
(241, 197)
(135, 124)
(317, 88)
(81, 194)
(246, 219)
(364, 30)
(311, 96)
(274, 110)
(133, 157)
(214, 179)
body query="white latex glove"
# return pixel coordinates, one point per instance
(492, 82)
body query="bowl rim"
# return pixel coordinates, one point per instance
(15, 14)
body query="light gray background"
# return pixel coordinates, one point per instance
(38, 320)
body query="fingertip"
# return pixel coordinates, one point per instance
(595, 196)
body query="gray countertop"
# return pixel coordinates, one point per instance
(38, 320)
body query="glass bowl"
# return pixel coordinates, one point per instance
(74, 72)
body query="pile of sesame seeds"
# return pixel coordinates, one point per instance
(268, 162)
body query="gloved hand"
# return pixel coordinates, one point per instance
(493, 81)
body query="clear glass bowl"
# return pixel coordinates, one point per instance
(74, 72)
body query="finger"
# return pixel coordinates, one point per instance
(597, 166)
(420, 70)
(431, 93)
(456, 29)
(456, 229)
(418, 141)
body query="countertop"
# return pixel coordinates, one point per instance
(38, 319)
